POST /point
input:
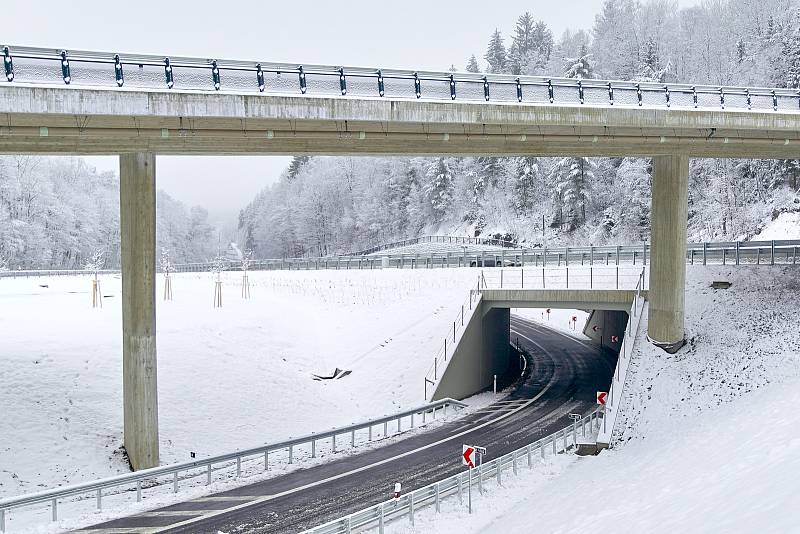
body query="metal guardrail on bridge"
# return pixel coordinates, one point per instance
(37, 65)
(170, 473)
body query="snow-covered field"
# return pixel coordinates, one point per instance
(228, 378)
(708, 438)
(784, 226)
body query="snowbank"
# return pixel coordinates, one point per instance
(228, 378)
(784, 226)
(708, 438)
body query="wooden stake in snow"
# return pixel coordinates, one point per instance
(94, 265)
(245, 258)
(218, 266)
(166, 267)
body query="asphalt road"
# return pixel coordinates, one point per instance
(562, 377)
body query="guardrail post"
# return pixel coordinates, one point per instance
(238, 468)
(460, 490)
(437, 498)
(411, 507)
(385, 428)
(54, 507)
(370, 433)
(499, 464)
(266, 460)
(412, 420)
(291, 453)
(480, 478)
(138, 491)
(347, 527)
(380, 519)
(208, 475)
(334, 442)
(541, 448)
(543, 281)
(175, 482)
(644, 253)
(772, 253)
(353, 438)
(794, 255)
(618, 247)
(591, 278)
(530, 459)
(398, 423)
(99, 499)
(567, 277)
(514, 462)
(3, 518)
(705, 253)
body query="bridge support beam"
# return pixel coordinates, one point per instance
(668, 258)
(137, 209)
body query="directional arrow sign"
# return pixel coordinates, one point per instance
(468, 456)
(615, 339)
(594, 328)
(601, 397)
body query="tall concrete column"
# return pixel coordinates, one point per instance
(137, 210)
(670, 196)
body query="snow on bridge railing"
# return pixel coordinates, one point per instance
(112, 70)
(166, 474)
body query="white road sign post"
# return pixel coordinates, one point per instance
(468, 457)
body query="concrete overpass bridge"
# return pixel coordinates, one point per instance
(137, 106)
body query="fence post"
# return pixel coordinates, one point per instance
(772, 253)
(644, 253)
(705, 252)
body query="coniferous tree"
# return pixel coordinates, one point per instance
(496, 54)
(472, 64)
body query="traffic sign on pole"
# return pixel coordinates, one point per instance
(468, 456)
(601, 397)
(615, 339)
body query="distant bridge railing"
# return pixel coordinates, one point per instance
(112, 70)
(442, 239)
(174, 473)
(777, 252)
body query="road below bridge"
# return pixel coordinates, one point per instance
(562, 376)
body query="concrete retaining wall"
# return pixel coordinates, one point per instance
(603, 326)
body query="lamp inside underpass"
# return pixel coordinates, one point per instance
(65, 67)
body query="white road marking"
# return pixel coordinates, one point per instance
(268, 498)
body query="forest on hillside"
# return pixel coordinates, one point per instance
(59, 213)
(324, 205)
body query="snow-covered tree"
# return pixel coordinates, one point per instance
(472, 64)
(496, 54)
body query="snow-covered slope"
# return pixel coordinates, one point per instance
(228, 378)
(708, 442)
(784, 226)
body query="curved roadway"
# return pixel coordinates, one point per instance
(562, 377)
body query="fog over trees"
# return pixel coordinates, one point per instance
(57, 212)
(330, 204)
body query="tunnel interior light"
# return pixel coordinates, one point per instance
(666, 94)
(381, 87)
(519, 91)
(485, 89)
(168, 73)
(118, 74)
(342, 81)
(550, 90)
(610, 94)
(260, 78)
(417, 86)
(8, 62)
(302, 77)
(215, 74)
(65, 73)
(452, 88)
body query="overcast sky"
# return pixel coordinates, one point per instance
(408, 34)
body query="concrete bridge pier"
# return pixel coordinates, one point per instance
(137, 210)
(670, 195)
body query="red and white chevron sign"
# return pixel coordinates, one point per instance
(615, 339)
(601, 397)
(468, 456)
